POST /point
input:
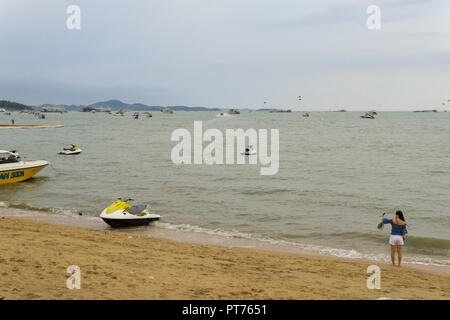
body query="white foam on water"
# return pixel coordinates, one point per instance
(330, 251)
(218, 236)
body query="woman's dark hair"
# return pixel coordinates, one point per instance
(400, 215)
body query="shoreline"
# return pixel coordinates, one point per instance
(202, 237)
(123, 265)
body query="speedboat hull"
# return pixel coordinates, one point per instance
(20, 171)
(122, 223)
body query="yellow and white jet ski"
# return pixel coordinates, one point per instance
(121, 214)
(73, 150)
(249, 151)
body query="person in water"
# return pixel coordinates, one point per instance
(398, 232)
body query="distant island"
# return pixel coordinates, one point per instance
(14, 106)
(115, 105)
(112, 105)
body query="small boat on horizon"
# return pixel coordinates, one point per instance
(369, 115)
(233, 111)
(167, 111)
(223, 114)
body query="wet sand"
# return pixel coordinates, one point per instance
(34, 257)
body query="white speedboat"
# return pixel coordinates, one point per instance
(121, 214)
(13, 169)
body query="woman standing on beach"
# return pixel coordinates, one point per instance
(398, 231)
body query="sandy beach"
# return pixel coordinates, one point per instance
(34, 257)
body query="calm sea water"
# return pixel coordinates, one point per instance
(337, 174)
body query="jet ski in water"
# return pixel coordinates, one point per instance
(249, 150)
(369, 115)
(121, 214)
(73, 150)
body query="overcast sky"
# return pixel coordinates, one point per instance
(228, 53)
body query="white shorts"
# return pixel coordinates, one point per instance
(396, 240)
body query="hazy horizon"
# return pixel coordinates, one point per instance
(302, 108)
(228, 54)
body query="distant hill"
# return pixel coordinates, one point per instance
(117, 105)
(113, 105)
(185, 108)
(13, 106)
